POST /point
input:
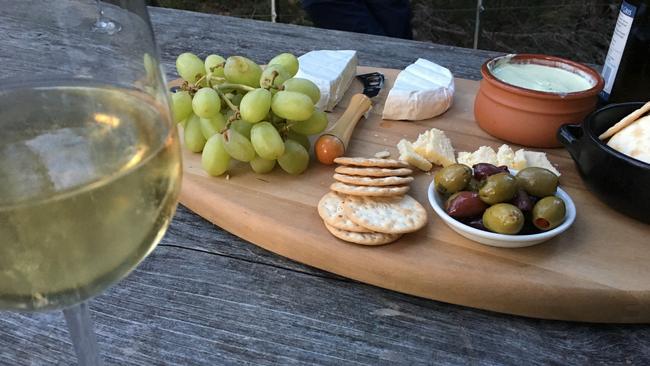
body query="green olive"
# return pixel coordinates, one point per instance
(539, 182)
(497, 188)
(503, 218)
(548, 213)
(453, 178)
(474, 185)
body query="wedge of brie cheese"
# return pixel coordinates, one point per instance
(331, 71)
(422, 90)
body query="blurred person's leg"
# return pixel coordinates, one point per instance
(358, 16)
(393, 15)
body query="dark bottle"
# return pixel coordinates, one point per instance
(627, 65)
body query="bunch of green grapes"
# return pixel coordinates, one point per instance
(233, 109)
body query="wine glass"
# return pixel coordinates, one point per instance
(89, 157)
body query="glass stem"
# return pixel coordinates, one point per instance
(80, 326)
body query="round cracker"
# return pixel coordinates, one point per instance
(368, 190)
(371, 162)
(373, 172)
(390, 215)
(362, 238)
(626, 121)
(330, 209)
(370, 181)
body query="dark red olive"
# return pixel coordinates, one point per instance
(484, 170)
(465, 204)
(476, 223)
(523, 201)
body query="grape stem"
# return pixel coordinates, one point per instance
(241, 87)
(228, 102)
(217, 80)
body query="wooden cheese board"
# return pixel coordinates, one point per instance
(597, 271)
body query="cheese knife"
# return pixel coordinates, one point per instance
(333, 142)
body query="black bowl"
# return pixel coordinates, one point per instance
(618, 180)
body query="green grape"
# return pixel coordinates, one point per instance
(288, 61)
(181, 105)
(240, 70)
(190, 67)
(304, 86)
(299, 138)
(183, 123)
(194, 139)
(255, 105)
(273, 76)
(215, 158)
(206, 103)
(292, 105)
(238, 146)
(295, 158)
(242, 127)
(262, 166)
(315, 124)
(214, 65)
(210, 126)
(266, 141)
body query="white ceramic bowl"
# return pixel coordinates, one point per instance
(502, 240)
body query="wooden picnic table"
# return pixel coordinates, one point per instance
(206, 297)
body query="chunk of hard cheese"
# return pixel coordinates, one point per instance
(408, 154)
(505, 156)
(519, 160)
(538, 159)
(435, 146)
(484, 154)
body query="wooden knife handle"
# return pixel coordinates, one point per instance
(333, 142)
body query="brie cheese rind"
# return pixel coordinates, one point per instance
(634, 140)
(422, 90)
(332, 71)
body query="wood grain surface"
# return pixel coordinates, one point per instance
(579, 270)
(207, 297)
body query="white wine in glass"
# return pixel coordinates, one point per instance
(85, 192)
(89, 157)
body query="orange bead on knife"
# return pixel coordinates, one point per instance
(333, 142)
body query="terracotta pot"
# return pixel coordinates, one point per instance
(530, 117)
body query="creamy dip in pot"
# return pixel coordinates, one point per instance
(541, 78)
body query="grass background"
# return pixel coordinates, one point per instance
(578, 30)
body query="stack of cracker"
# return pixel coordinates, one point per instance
(368, 203)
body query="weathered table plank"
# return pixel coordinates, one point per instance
(206, 297)
(206, 312)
